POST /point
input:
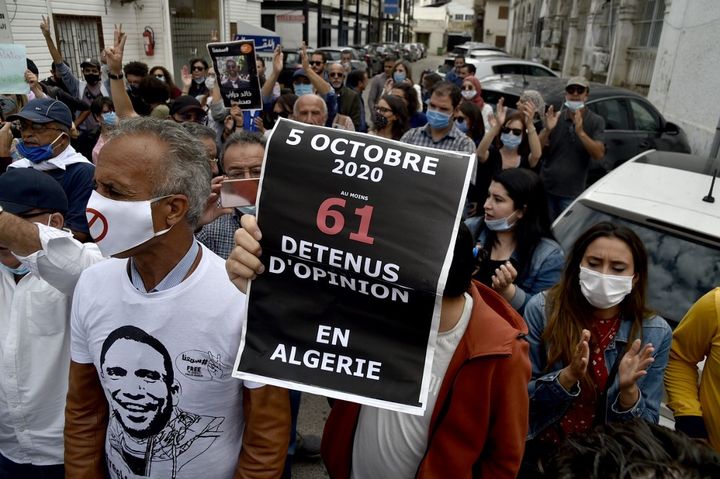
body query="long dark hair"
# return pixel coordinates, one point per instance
(410, 97)
(524, 148)
(527, 193)
(476, 124)
(568, 312)
(167, 75)
(397, 105)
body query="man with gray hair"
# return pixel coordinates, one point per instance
(242, 159)
(171, 410)
(310, 109)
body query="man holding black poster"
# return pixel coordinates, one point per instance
(476, 417)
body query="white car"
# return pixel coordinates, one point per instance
(492, 65)
(665, 197)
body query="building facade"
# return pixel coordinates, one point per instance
(338, 22)
(160, 32)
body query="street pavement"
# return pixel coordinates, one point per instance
(314, 410)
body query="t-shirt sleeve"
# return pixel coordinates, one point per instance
(597, 129)
(79, 351)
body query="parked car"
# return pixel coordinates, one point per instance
(467, 46)
(411, 52)
(632, 123)
(333, 55)
(490, 66)
(474, 54)
(661, 196)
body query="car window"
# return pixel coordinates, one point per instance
(680, 270)
(508, 69)
(539, 72)
(645, 119)
(292, 57)
(614, 111)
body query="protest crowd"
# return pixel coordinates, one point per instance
(118, 344)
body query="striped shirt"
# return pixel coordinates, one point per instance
(454, 140)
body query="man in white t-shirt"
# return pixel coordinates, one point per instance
(155, 329)
(476, 417)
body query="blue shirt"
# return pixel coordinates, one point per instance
(549, 401)
(173, 278)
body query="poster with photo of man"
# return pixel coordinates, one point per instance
(236, 69)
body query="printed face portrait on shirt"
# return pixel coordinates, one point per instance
(137, 373)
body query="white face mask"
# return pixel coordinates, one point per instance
(117, 226)
(604, 290)
(210, 82)
(468, 94)
(500, 224)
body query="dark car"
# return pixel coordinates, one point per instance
(333, 55)
(632, 123)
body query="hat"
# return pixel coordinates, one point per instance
(185, 103)
(299, 73)
(582, 81)
(90, 62)
(45, 110)
(26, 189)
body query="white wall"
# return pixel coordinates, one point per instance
(134, 17)
(686, 80)
(432, 20)
(496, 26)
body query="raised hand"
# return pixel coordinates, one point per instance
(213, 209)
(214, 37)
(577, 368)
(500, 112)
(551, 117)
(45, 26)
(114, 54)
(186, 77)
(304, 57)
(504, 277)
(633, 366)
(278, 59)
(578, 121)
(244, 261)
(528, 111)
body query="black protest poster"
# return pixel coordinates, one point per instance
(357, 243)
(235, 66)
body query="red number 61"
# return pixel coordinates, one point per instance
(331, 222)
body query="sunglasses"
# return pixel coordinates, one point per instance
(575, 89)
(315, 63)
(469, 87)
(198, 69)
(335, 75)
(514, 131)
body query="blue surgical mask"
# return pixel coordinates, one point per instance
(437, 119)
(247, 210)
(199, 80)
(109, 118)
(461, 125)
(510, 141)
(20, 270)
(500, 224)
(37, 154)
(399, 77)
(302, 89)
(574, 105)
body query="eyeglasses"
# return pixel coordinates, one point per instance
(315, 63)
(575, 89)
(193, 117)
(382, 110)
(159, 76)
(335, 75)
(198, 69)
(514, 131)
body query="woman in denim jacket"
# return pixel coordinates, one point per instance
(597, 354)
(518, 256)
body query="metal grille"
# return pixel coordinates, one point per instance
(78, 38)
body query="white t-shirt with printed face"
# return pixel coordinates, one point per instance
(165, 361)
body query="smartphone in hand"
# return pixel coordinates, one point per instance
(239, 193)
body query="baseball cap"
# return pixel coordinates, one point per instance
(44, 110)
(299, 73)
(186, 103)
(26, 189)
(90, 62)
(578, 80)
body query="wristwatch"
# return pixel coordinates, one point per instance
(119, 76)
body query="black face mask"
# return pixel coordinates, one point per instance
(92, 79)
(380, 121)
